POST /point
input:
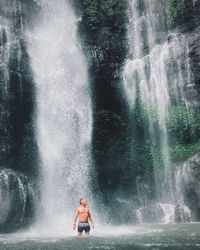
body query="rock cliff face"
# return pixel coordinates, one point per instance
(125, 154)
(18, 145)
(18, 148)
(190, 185)
(17, 198)
(103, 35)
(187, 22)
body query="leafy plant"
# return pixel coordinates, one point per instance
(173, 8)
(183, 152)
(183, 125)
(184, 132)
(111, 6)
(91, 12)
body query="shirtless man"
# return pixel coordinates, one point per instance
(83, 213)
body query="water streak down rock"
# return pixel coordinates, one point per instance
(17, 201)
(187, 177)
(18, 147)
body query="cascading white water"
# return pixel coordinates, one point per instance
(64, 117)
(4, 57)
(158, 69)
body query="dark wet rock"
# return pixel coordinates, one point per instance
(102, 32)
(190, 185)
(189, 17)
(194, 54)
(17, 200)
(188, 23)
(182, 213)
(18, 147)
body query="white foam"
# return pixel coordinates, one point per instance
(64, 116)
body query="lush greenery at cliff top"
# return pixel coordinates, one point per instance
(141, 150)
(92, 10)
(111, 5)
(91, 7)
(173, 8)
(184, 132)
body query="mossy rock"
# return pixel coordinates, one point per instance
(180, 153)
(91, 12)
(173, 9)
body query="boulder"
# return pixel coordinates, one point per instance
(182, 213)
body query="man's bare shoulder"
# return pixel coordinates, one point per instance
(82, 208)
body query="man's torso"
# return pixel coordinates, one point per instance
(83, 213)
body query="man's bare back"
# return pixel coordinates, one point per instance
(83, 213)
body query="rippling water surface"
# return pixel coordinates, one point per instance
(155, 237)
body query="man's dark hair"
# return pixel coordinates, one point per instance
(81, 200)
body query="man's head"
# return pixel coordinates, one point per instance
(83, 202)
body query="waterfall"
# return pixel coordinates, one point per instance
(143, 130)
(64, 118)
(157, 70)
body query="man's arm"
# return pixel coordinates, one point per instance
(90, 217)
(75, 219)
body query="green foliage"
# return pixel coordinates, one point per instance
(183, 152)
(111, 6)
(141, 158)
(131, 144)
(145, 151)
(142, 110)
(139, 111)
(173, 8)
(91, 12)
(183, 125)
(91, 8)
(184, 133)
(126, 150)
(183, 128)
